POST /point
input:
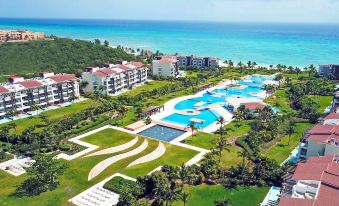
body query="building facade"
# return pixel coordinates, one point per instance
(322, 139)
(165, 66)
(113, 78)
(201, 62)
(20, 35)
(329, 69)
(312, 183)
(19, 95)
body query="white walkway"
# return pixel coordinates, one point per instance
(97, 195)
(157, 153)
(101, 166)
(16, 166)
(115, 149)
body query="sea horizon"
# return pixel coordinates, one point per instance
(296, 44)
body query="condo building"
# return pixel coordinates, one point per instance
(329, 69)
(322, 139)
(113, 78)
(165, 66)
(202, 62)
(19, 95)
(314, 182)
(20, 35)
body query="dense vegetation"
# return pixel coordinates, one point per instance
(56, 55)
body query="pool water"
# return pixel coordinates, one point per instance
(207, 116)
(249, 88)
(162, 133)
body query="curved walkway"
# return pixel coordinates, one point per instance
(115, 149)
(158, 152)
(101, 166)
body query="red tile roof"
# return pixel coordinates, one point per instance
(323, 138)
(253, 105)
(63, 77)
(137, 64)
(309, 171)
(107, 71)
(99, 73)
(327, 196)
(288, 201)
(322, 129)
(30, 83)
(124, 67)
(332, 115)
(166, 60)
(3, 90)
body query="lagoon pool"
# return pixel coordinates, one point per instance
(250, 87)
(207, 116)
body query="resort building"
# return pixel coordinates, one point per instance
(329, 69)
(314, 182)
(113, 78)
(20, 35)
(19, 95)
(165, 66)
(201, 62)
(322, 139)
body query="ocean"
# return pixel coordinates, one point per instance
(265, 43)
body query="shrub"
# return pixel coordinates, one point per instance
(120, 185)
(65, 147)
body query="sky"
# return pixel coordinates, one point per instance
(309, 11)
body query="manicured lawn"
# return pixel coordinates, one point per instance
(147, 87)
(323, 101)
(52, 115)
(282, 150)
(75, 178)
(206, 195)
(279, 100)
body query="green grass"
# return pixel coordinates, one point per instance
(52, 115)
(75, 181)
(147, 87)
(279, 100)
(282, 150)
(206, 195)
(6, 157)
(323, 101)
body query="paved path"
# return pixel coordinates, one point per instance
(101, 166)
(157, 153)
(97, 195)
(115, 149)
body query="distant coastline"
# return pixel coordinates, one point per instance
(265, 43)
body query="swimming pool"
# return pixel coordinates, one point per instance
(250, 87)
(162, 133)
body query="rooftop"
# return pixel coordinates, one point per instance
(253, 105)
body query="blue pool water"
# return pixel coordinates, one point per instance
(207, 116)
(162, 133)
(249, 88)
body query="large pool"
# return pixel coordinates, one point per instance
(250, 87)
(162, 133)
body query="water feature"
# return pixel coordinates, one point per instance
(162, 133)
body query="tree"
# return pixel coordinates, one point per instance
(43, 175)
(244, 154)
(106, 43)
(185, 197)
(278, 78)
(290, 129)
(36, 107)
(97, 41)
(221, 145)
(192, 126)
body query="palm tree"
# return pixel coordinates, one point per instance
(36, 108)
(290, 129)
(183, 173)
(244, 154)
(221, 145)
(192, 126)
(311, 70)
(185, 197)
(278, 78)
(221, 121)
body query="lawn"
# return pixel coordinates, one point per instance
(282, 150)
(52, 115)
(75, 178)
(279, 100)
(206, 195)
(323, 101)
(149, 86)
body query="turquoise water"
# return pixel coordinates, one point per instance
(253, 86)
(162, 133)
(265, 43)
